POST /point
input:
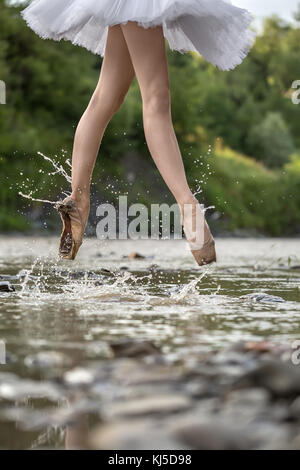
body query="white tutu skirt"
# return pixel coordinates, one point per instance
(215, 29)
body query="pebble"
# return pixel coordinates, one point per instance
(47, 359)
(79, 377)
(138, 435)
(133, 348)
(154, 404)
(210, 435)
(279, 378)
(6, 286)
(135, 255)
(262, 297)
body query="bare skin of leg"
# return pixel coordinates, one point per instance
(148, 54)
(115, 79)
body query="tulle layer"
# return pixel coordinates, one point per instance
(217, 30)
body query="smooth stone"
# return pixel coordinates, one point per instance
(201, 389)
(209, 435)
(22, 389)
(270, 435)
(8, 277)
(154, 404)
(245, 405)
(138, 374)
(47, 359)
(128, 435)
(254, 397)
(229, 358)
(295, 408)
(6, 286)
(79, 377)
(262, 297)
(133, 348)
(135, 255)
(279, 378)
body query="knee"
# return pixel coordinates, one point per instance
(106, 103)
(157, 101)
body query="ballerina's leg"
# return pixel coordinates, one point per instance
(114, 82)
(148, 54)
(147, 49)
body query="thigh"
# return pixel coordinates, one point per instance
(117, 71)
(147, 49)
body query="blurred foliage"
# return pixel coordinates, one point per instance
(220, 118)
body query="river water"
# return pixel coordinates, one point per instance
(76, 309)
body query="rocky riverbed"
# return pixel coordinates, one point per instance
(133, 347)
(245, 397)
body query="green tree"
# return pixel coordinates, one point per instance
(271, 140)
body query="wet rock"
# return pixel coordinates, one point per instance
(295, 409)
(259, 346)
(47, 359)
(270, 435)
(21, 389)
(8, 277)
(79, 377)
(82, 275)
(133, 373)
(134, 348)
(245, 405)
(135, 255)
(262, 297)
(105, 271)
(229, 358)
(128, 435)
(279, 378)
(6, 286)
(210, 435)
(156, 404)
(255, 397)
(201, 388)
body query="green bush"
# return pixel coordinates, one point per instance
(271, 140)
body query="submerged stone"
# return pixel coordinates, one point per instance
(281, 379)
(262, 297)
(6, 286)
(134, 348)
(46, 359)
(156, 404)
(135, 255)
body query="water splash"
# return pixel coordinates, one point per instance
(58, 170)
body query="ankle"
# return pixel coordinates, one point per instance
(189, 200)
(81, 197)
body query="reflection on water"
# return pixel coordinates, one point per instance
(73, 311)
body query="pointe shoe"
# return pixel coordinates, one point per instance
(198, 234)
(73, 228)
